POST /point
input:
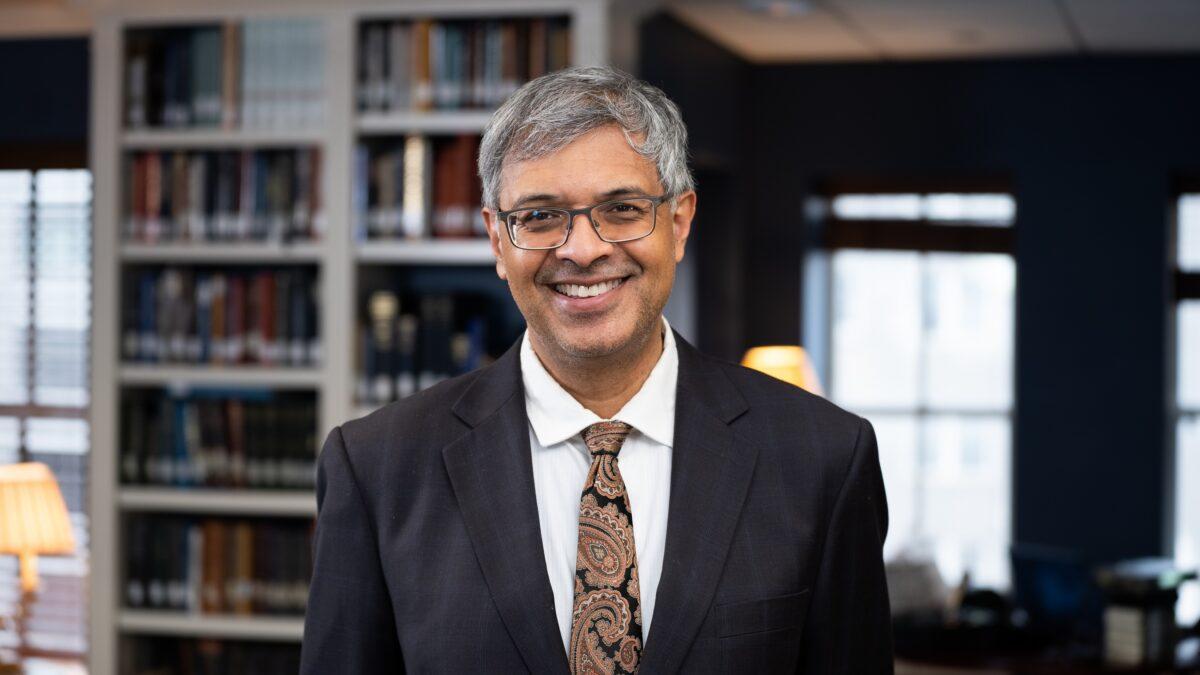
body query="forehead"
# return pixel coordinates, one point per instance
(592, 164)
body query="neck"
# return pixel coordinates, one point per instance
(603, 384)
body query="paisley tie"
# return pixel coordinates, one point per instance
(606, 622)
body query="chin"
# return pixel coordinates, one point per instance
(584, 343)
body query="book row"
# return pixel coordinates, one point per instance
(216, 565)
(418, 186)
(227, 195)
(189, 315)
(259, 73)
(243, 439)
(452, 64)
(407, 344)
(143, 655)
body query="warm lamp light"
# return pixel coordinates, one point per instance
(33, 518)
(785, 362)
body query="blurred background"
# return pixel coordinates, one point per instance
(227, 228)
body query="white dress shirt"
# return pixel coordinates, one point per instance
(561, 462)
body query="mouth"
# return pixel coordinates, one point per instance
(590, 290)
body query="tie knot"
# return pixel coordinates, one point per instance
(605, 438)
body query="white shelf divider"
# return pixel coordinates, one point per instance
(183, 624)
(426, 251)
(247, 375)
(217, 501)
(158, 139)
(249, 252)
(441, 122)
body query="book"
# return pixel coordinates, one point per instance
(156, 655)
(225, 195)
(213, 437)
(410, 342)
(219, 565)
(259, 73)
(454, 64)
(417, 187)
(265, 316)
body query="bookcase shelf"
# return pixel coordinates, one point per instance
(440, 122)
(157, 139)
(298, 503)
(248, 375)
(338, 261)
(181, 624)
(426, 252)
(248, 252)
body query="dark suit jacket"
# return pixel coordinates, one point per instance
(428, 554)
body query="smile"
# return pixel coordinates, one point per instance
(578, 291)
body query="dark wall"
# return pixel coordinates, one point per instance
(1090, 148)
(44, 115)
(711, 87)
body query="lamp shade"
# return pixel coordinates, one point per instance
(785, 362)
(33, 517)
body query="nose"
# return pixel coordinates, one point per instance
(583, 245)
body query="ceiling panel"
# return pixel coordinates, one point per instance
(817, 35)
(1137, 25)
(917, 29)
(957, 28)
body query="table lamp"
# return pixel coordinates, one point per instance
(785, 362)
(33, 522)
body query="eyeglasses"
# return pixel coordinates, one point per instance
(615, 221)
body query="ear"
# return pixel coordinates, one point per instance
(681, 221)
(494, 236)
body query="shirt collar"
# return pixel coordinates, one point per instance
(556, 416)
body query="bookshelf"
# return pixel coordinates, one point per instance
(345, 263)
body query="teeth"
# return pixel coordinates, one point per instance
(577, 291)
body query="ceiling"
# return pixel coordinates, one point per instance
(854, 30)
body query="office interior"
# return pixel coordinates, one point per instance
(980, 221)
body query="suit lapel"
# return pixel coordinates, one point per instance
(491, 472)
(710, 474)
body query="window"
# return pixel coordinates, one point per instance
(45, 317)
(1187, 400)
(909, 314)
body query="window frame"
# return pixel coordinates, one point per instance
(828, 234)
(1184, 288)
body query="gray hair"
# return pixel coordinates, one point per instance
(548, 113)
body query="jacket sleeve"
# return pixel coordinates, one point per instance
(849, 628)
(348, 624)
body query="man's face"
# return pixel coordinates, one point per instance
(596, 167)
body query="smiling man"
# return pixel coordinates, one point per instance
(603, 498)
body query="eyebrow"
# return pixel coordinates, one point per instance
(603, 196)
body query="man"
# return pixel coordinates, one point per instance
(603, 498)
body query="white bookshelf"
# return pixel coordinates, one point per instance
(337, 257)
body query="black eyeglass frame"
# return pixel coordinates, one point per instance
(582, 211)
